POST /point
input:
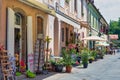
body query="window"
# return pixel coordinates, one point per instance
(89, 17)
(62, 3)
(93, 22)
(82, 37)
(67, 34)
(70, 6)
(82, 34)
(17, 19)
(39, 25)
(62, 34)
(75, 5)
(82, 13)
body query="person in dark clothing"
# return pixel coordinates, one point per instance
(77, 51)
(77, 48)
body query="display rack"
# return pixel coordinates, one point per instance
(6, 66)
(39, 56)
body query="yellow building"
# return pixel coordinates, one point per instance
(22, 23)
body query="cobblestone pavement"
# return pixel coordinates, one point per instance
(105, 69)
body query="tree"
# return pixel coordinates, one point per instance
(115, 27)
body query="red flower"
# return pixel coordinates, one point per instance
(71, 46)
(22, 63)
(1, 47)
(77, 62)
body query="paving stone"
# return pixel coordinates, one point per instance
(105, 69)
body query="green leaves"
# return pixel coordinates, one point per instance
(48, 39)
(115, 27)
(85, 56)
(66, 54)
(67, 1)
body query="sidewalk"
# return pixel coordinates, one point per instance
(79, 73)
(50, 76)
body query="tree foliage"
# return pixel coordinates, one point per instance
(115, 27)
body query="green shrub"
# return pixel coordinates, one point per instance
(30, 74)
(18, 73)
(84, 56)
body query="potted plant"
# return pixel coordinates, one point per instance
(94, 54)
(91, 56)
(59, 65)
(30, 74)
(66, 54)
(18, 74)
(91, 59)
(101, 54)
(52, 64)
(84, 57)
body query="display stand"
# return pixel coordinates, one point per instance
(39, 56)
(7, 71)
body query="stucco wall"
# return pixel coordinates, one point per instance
(28, 11)
(2, 23)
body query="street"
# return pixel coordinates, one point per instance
(106, 69)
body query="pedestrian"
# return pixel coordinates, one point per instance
(114, 51)
(77, 52)
(77, 48)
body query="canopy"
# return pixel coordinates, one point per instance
(94, 38)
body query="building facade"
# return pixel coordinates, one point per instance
(23, 22)
(98, 24)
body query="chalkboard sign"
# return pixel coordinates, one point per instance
(39, 55)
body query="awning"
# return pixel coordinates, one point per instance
(39, 5)
(94, 38)
(68, 21)
(85, 24)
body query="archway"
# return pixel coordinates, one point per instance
(20, 39)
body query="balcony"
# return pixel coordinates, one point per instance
(85, 24)
(104, 29)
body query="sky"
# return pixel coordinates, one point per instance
(110, 9)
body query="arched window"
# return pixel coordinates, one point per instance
(17, 19)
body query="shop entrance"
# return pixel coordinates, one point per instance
(17, 46)
(20, 42)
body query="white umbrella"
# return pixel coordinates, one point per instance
(94, 38)
(101, 44)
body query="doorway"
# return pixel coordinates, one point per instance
(18, 40)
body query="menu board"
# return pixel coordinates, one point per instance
(39, 55)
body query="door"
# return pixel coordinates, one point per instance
(18, 39)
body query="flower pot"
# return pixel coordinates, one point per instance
(58, 68)
(53, 67)
(101, 57)
(85, 65)
(68, 69)
(90, 60)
